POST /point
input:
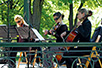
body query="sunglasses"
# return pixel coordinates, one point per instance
(57, 18)
(18, 21)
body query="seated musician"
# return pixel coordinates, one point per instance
(97, 35)
(84, 33)
(56, 31)
(21, 23)
(59, 28)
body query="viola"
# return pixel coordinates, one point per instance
(55, 27)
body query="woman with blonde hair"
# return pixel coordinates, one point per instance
(20, 21)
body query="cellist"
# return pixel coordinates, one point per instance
(84, 34)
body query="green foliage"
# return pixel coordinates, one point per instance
(49, 8)
(16, 9)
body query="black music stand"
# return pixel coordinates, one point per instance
(34, 34)
(4, 37)
(24, 33)
(4, 31)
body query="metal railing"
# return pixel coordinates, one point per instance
(93, 60)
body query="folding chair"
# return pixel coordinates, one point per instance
(95, 38)
(27, 59)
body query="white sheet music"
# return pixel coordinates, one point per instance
(3, 25)
(37, 34)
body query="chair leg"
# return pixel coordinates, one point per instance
(79, 62)
(56, 66)
(87, 62)
(40, 63)
(19, 59)
(26, 57)
(35, 57)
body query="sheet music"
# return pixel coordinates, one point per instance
(3, 25)
(37, 34)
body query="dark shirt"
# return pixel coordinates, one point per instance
(98, 31)
(58, 32)
(84, 31)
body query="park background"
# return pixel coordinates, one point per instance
(39, 13)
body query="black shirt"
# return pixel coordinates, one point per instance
(59, 31)
(98, 31)
(84, 31)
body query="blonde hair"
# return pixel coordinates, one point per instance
(19, 17)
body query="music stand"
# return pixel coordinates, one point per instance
(3, 31)
(24, 33)
(34, 34)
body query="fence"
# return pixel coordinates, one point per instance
(92, 60)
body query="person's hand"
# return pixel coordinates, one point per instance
(79, 23)
(51, 31)
(46, 32)
(63, 34)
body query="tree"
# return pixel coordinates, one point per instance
(41, 11)
(34, 16)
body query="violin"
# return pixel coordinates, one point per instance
(55, 27)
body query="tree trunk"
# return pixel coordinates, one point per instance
(71, 17)
(11, 4)
(34, 18)
(77, 13)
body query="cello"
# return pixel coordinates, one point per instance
(73, 33)
(71, 36)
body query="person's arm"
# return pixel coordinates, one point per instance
(99, 36)
(47, 32)
(63, 29)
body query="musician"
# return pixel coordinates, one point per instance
(84, 26)
(21, 23)
(59, 28)
(97, 35)
(56, 31)
(84, 32)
